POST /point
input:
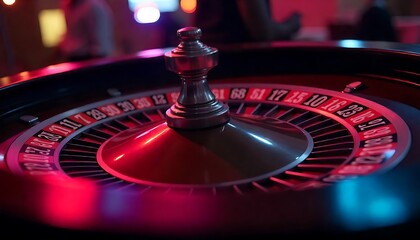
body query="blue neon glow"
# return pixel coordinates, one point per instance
(349, 43)
(369, 205)
(162, 5)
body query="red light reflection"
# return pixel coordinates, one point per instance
(69, 203)
(84, 205)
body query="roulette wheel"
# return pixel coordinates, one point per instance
(273, 139)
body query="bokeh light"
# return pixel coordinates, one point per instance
(188, 6)
(147, 14)
(9, 2)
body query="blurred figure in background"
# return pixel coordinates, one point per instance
(376, 23)
(239, 21)
(90, 30)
